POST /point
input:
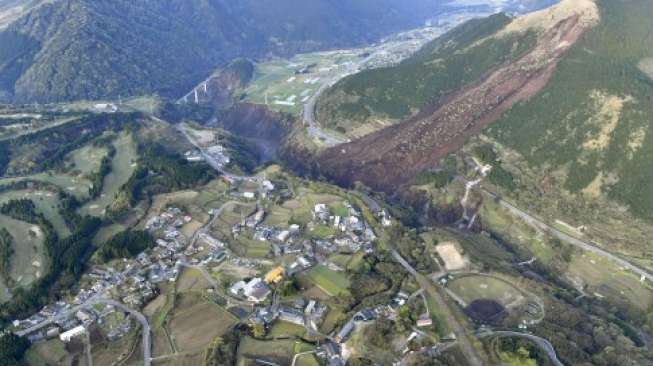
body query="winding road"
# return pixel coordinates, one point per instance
(544, 344)
(147, 345)
(461, 333)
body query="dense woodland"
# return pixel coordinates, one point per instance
(6, 254)
(551, 130)
(439, 68)
(127, 244)
(91, 49)
(48, 148)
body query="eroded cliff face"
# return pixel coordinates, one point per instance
(389, 158)
(267, 129)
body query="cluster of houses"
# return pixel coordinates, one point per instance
(352, 232)
(76, 324)
(305, 313)
(134, 284)
(218, 153)
(331, 351)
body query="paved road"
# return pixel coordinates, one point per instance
(147, 350)
(466, 346)
(544, 344)
(591, 247)
(329, 138)
(147, 344)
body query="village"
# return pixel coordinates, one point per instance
(293, 250)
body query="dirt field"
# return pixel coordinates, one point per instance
(191, 279)
(453, 261)
(195, 327)
(280, 352)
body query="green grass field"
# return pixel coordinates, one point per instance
(285, 329)
(87, 159)
(29, 259)
(75, 185)
(122, 167)
(331, 282)
(46, 203)
(278, 81)
(279, 351)
(471, 288)
(323, 232)
(603, 278)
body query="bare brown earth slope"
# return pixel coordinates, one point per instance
(391, 157)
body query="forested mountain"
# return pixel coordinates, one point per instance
(576, 134)
(72, 49)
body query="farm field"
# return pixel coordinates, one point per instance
(191, 279)
(282, 329)
(286, 88)
(278, 351)
(331, 282)
(193, 327)
(122, 167)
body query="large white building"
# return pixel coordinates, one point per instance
(75, 332)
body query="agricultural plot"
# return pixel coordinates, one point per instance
(193, 327)
(349, 262)
(288, 84)
(331, 282)
(278, 351)
(29, 259)
(122, 167)
(230, 216)
(191, 279)
(282, 329)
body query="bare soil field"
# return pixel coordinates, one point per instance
(195, 327)
(451, 256)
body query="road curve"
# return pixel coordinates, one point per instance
(466, 346)
(539, 224)
(147, 350)
(544, 344)
(147, 344)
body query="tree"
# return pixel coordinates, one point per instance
(12, 349)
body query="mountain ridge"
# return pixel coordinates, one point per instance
(81, 49)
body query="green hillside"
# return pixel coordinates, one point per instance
(441, 67)
(590, 127)
(90, 49)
